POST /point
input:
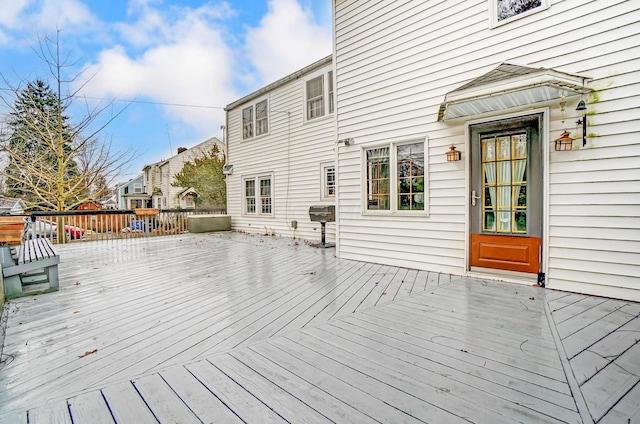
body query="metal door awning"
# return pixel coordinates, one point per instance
(509, 86)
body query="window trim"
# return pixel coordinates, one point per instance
(393, 177)
(137, 187)
(266, 118)
(324, 186)
(493, 13)
(257, 195)
(327, 106)
(247, 124)
(254, 119)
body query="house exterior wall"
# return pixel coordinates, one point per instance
(396, 60)
(159, 176)
(132, 190)
(291, 154)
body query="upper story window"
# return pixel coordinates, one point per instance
(315, 97)
(395, 177)
(137, 188)
(262, 126)
(503, 11)
(255, 119)
(319, 95)
(247, 122)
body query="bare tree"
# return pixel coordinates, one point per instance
(56, 162)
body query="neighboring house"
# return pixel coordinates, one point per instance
(502, 83)
(91, 205)
(280, 158)
(131, 195)
(9, 205)
(159, 176)
(110, 202)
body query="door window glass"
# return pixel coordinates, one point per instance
(504, 180)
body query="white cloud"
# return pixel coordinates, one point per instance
(11, 11)
(287, 39)
(31, 17)
(188, 63)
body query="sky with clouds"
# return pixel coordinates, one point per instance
(181, 61)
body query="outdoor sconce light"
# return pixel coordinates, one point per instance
(453, 155)
(346, 141)
(564, 142)
(582, 108)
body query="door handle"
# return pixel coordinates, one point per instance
(474, 198)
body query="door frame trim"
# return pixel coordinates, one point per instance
(544, 141)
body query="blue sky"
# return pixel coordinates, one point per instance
(162, 53)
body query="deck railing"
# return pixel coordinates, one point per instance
(75, 226)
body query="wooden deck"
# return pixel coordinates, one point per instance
(238, 328)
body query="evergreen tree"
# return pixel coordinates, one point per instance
(37, 118)
(204, 175)
(55, 162)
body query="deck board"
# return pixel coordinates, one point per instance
(232, 328)
(284, 403)
(90, 408)
(204, 404)
(337, 410)
(243, 404)
(126, 404)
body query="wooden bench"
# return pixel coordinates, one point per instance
(35, 262)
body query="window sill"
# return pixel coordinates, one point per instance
(417, 214)
(318, 119)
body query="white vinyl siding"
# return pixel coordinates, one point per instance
(395, 61)
(291, 153)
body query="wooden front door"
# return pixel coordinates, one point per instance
(506, 195)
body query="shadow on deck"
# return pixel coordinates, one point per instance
(233, 328)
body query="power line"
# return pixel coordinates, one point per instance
(141, 101)
(155, 103)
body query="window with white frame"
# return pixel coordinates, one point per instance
(262, 124)
(247, 122)
(328, 184)
(315, 97)
(319, 95)
(503, 11)
(137, 188)
(395, 177)
(255, 119)
(258, 195)
(266, 200)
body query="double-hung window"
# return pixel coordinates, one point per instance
(258, 195)
(315, 97)
(319, 97)
(262, 125)
(255, 119)
(395, 177)
(247, 122)
(503, 11)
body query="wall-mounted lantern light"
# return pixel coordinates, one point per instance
(346, 141)
(453, 155)
(582, 109)
(564, 142)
